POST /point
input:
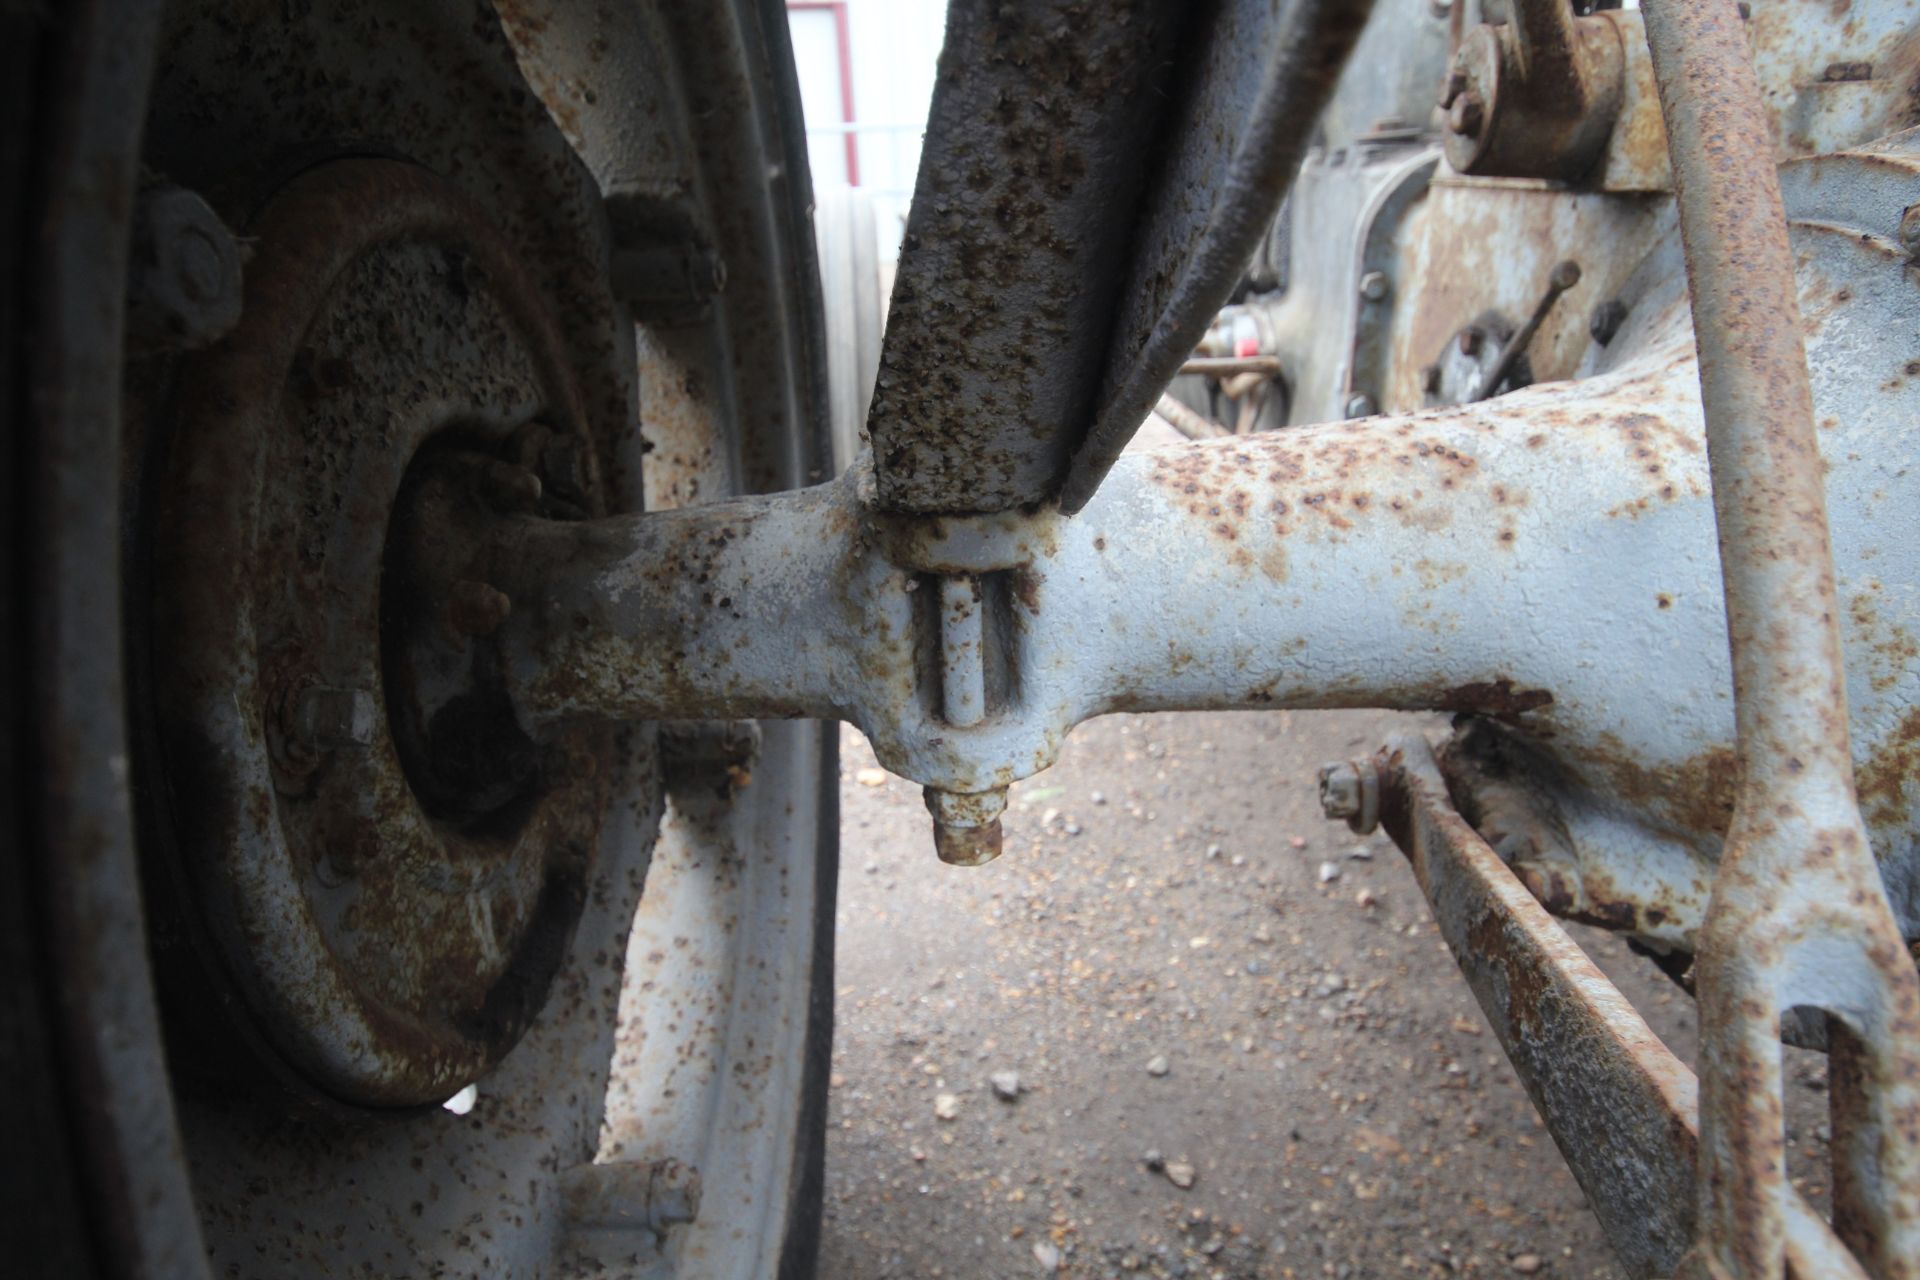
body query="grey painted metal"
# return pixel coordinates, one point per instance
(963, 657)
(1798, 916)
(1467, 251)
(1455, 559)
(711, 1051)
(1348, 216)
(1393, 76)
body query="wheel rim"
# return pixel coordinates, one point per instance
(298, 1176)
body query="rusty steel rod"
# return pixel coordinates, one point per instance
(1798, 915)
(1188, 422)
(1228, 366)
(1623, 1109)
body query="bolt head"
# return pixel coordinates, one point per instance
(565, 468)
(200, 264)
(184, 291)
(1361, 405)
(1339, 789)
(1373, 286)
(329, 719)
(1606, 320)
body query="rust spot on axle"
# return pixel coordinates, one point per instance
(1497, 698)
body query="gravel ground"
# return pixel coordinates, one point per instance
(1153, 1039)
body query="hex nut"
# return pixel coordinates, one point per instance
(1350, 789)
(329, 719)
(966, 824)
(1339, 789)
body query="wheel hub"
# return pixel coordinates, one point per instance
(390, 897)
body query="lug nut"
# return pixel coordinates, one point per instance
(966, 825)
(328, 719)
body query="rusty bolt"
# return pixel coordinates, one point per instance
(184, 290)
(1565, 275)
(329, 719)
(564, 468)
(629, 1196)
(1606, 321)
(1350, 789)
(1361, 405)
(1373, 286)
(966, 824)
(1466, 115)
(477, 608)
(1910, 231)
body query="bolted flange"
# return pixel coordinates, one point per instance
(386, 898)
